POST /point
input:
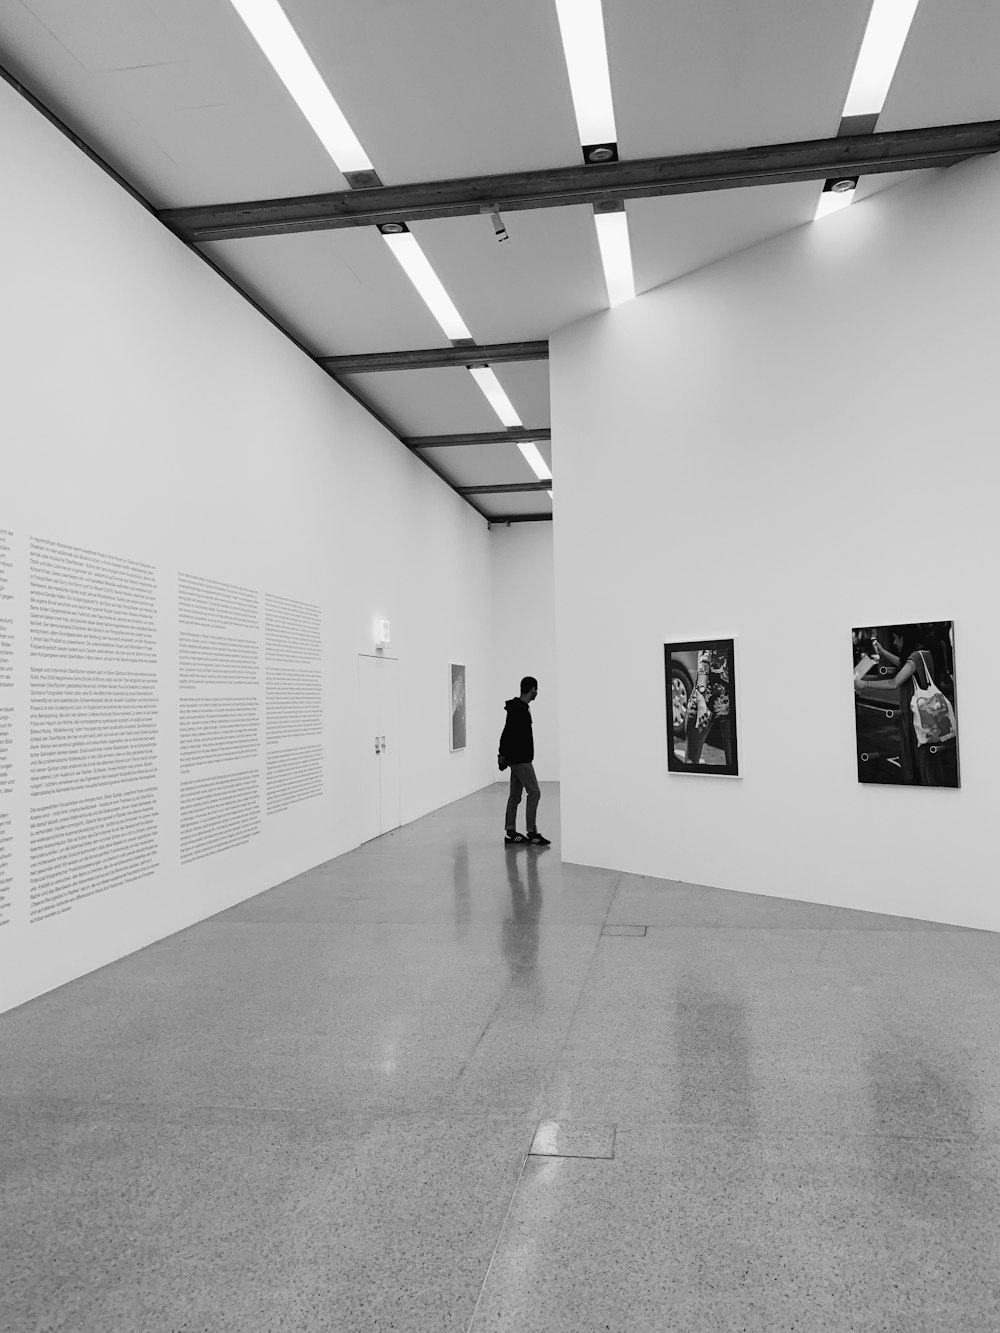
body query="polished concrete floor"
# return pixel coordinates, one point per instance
(436, 1084)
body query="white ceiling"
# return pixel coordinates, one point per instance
(446, 401)
(177, 98)
(710, 74)
(482, 464)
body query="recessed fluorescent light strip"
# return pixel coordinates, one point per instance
(271, 30)
(581, 23)
(495, 395)
(888, 25)
(832, 201)
(417, 268)
(534, 459)
(885, 36)
(274, 34)
(616, 256)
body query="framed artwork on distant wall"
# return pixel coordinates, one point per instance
(457, 706)
(701, 707)
(905, 710)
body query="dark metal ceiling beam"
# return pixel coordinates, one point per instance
(519, 518)
(422, 358)
(476, 437)
(509, 488)
(557, 187)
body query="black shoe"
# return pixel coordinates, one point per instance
(515, 838)
(537, 840)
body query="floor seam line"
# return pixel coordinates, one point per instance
(496, 1247)
(583, 987)
(486, 1027)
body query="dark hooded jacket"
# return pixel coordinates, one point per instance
(517, 744)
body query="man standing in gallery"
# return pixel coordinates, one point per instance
(517, 752)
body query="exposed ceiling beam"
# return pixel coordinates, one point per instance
(519, 518)
(557, 187)
(508, 488)
(476, 437)
(422, 358)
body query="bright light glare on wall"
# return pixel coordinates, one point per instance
(549, 494)
(616, 256)
(535, 460)
(832, 201)
(888, 25)
(581, 23)
(495, 395)
(276, 37)
(417, 268)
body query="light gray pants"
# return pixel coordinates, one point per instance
(522, 778)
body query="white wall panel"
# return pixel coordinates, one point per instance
(805, 441)
(524, 638)
(151, 415)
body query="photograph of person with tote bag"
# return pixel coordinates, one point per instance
(905, 714)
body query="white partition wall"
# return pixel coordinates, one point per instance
(793, 442)
(198, 532)
(524, 635)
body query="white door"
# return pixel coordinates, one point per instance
(369, 715)
(378, 712)
(389, 737)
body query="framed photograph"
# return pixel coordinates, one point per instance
(457, 706)
(701, 707)
(905, 708)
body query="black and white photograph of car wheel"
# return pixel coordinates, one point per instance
(905, 708)
(701, 707)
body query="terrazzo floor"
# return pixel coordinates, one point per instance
(436, 1084)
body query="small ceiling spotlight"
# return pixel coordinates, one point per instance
(393, 228)
(610, 206)
(843, 186)
(596, 153)
(499, 230)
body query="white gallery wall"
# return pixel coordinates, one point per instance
(524, 636)
(780, 447)
(198, 530)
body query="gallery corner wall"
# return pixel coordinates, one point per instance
(524, 635)
(198, 530)
(795, 441)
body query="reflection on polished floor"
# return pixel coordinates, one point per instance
(435, 1084)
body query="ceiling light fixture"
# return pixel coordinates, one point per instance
(534, 459)
(882, 45)
(581, 23)
(888, 25)
(271, 30)
(837, 194)
(416, 266)
(616, 255)
(493, 212)
(494, 393)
